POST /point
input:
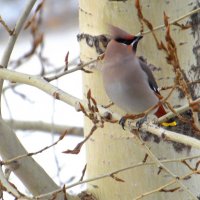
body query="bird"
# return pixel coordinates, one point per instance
(128, 80)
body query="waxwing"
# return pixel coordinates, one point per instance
(128, 81)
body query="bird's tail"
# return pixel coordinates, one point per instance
(160, 112)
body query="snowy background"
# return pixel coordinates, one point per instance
(60, 29)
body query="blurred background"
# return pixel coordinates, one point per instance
(58, 24)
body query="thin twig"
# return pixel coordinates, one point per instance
(7, 186)
(159, 189)
(7, 162)
(155, 190)
(118, 171)
(78, 147)
(170, 50)
(6, 26)
(172, 22)
(10, 45)
(78, 67)
(19, 25)
(162, 166)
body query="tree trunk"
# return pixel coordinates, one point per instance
(111, 148)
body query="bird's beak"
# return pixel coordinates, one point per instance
(136, 40)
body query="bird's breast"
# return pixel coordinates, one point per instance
(131, 93)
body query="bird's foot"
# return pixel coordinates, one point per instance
(122, 122)
(140, 122)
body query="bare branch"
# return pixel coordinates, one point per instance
(37, 39)
(10, 148)
(162, 166)
(78, 147)
(18, 28)
(173, 22)
(10, 45)
(6, 26)
(8, 187)
(7, 162)
(78, 67)
(10, 145)
(160, 189)
(125, 169)
(75, 102)
(45, 127)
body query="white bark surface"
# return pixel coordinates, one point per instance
(111, 148)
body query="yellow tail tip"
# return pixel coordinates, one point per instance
(169, 124)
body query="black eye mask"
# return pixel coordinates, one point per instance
(125, 41)
(131, 41)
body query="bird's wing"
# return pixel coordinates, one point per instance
(152, 82)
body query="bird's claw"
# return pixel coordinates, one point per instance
(122, 122)
(140, 122)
